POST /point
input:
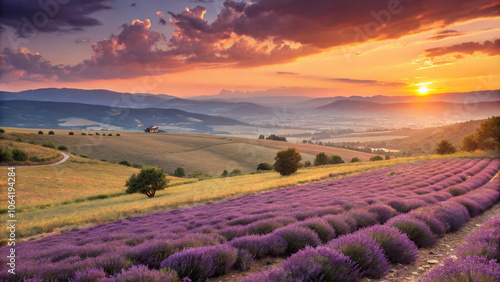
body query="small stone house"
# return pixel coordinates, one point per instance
(152, 129)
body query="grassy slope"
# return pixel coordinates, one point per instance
(428, 137)
(50, 198)
(50, 155)
(194, 152)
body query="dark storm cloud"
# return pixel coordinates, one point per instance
(28, 17)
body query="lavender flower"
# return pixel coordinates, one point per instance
(469, 269)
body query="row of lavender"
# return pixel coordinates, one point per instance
(258, 225)
(477, 260)
(368, 252)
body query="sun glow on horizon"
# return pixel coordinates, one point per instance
(423, 90)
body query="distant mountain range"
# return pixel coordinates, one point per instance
(36, 114)
(443, 109)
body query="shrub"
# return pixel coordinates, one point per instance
(2, 130)
(40, 132)
(417, 230)
(32, 142)
(136, 165)
(201, 263)
(483, 243)
(469, 269)
(71, 133)
(51, 132)
(261, 245)
(321, 159)
(266, 226)
(147, 182)
(336, 159)
(62, 147)
(355, 160)
(363, 218)
(444, 147)
(125, 163)
(19, 139)
(225, 173)
(320, 264)
(112, 264)
(265, 166)
(83, 133)
(19, 155)
(376, 158)
(470, 143)
(109, 134)
(383, 212)
(88, 275)
(297, 238)
(179, 172)
(49, 144)
(117, 134)
(5, 154)
(321, 227)
(398, 248)
(453, 215)
(338, 224)
(387, 157)
(143, 273)
(436, 226)
(243, 260)
(472, 207)
(287, 161)
(97, 133)
(307, 164)
(365, 252)
(235, 172)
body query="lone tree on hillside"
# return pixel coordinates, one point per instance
(321, 159)
(147, 182)
(287, 161)
(444, 147)
(486, 138)
(336, 159)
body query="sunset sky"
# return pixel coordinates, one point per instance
(301, 47)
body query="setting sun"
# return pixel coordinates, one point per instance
(423, 90)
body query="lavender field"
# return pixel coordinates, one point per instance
(340, 230)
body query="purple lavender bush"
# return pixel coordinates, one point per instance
(483, 243)
(365, 251)
(436, 226)
(261, 245)
(417, 230)
(384, 212)
(338, 224)
(244, 260)
(297, 238)
(88, 275)
(321, 227)
(471, 268)
(202, 262)
(141, 273)
(363, 217)
(321, 264)
(397, 247)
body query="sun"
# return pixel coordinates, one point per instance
(423, 90)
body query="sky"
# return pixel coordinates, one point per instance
(191, 48)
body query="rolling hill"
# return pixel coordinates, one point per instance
(208, 154)
(35, 114)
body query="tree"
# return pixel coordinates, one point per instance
(71, 133)
(470, 143)
(336, 159)
(117, 134)
(355, 160)
(262, 136)
(2, 130)
(147, 182)
(489, 134)
(376, 158)
(40, 132)
(307, 163)
(321, 159)
(225, 173)
(51, 132)
(62, 147)
(287, 161)
(179, 172)
(125, 163)
(444, 147)
(19, 155)
(265, 166)
(235, 172)
(49, 144)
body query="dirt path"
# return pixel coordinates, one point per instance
(65, 158)
(445, 247)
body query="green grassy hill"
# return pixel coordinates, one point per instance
(194, 152)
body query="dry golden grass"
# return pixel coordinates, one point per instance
(48, 154)
(194, 152)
